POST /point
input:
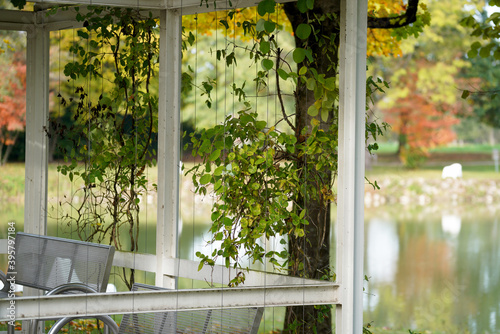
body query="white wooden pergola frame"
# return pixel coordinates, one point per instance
(262, 289)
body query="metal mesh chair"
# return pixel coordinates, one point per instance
(45, 263)
(57, 265)
(217, 321)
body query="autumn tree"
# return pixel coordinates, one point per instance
(423, 102)
(420, 122)
(12, 106)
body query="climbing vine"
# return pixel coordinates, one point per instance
(109, 146)
(257, 171)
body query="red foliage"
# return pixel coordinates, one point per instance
(12, 102)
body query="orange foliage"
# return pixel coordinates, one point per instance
(12, 102)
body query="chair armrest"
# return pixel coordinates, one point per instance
(71, 287)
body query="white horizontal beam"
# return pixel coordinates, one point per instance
(145, 4)
(79, 305)
(217, 275)
(187, 6)
(138, 261)
(189, 269)
(221, 275)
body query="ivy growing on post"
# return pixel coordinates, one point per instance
(110, 144)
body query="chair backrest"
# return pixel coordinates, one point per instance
(216, 321)
(45, 263)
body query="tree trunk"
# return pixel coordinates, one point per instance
(313, 250)
(8, 149)
(1, 155)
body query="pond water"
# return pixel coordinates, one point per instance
(433, 270)
(428, 269)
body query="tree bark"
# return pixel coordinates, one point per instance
(313, 250)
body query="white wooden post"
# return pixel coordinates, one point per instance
(350, 214)
(168, 143)
(37, 114)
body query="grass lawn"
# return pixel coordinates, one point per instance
(392, 147)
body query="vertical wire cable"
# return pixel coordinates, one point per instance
(134, 191)
(59, 115)
(179, 68)
(72, 92)
(304, 245)
(89, 80)
(216, 117)
(195, 123)
(275, 116)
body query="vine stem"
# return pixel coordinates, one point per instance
(278, 89)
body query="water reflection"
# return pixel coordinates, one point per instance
(429, 269)
(440, 273)
(382, 249)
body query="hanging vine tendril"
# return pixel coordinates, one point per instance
(119, 125)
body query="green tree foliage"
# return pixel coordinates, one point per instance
(487, 28)
(484, 55)
(482, 79)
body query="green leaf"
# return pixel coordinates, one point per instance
(299, 55)
(465, 94)
(215, 215)
(206, 178)
(264, 46)
(324, 115)
(260, 25)
(266, 6)
(267, 64)
(472, 53)
(83, 34)
(214, 155)
(269, 26)
(217, 185)
(302, 6)
(312, 110)
(218, 171)
(330, 84)
(303, 70)
(303, 31)
(311, 84)
(485, 51)
(283, 75)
